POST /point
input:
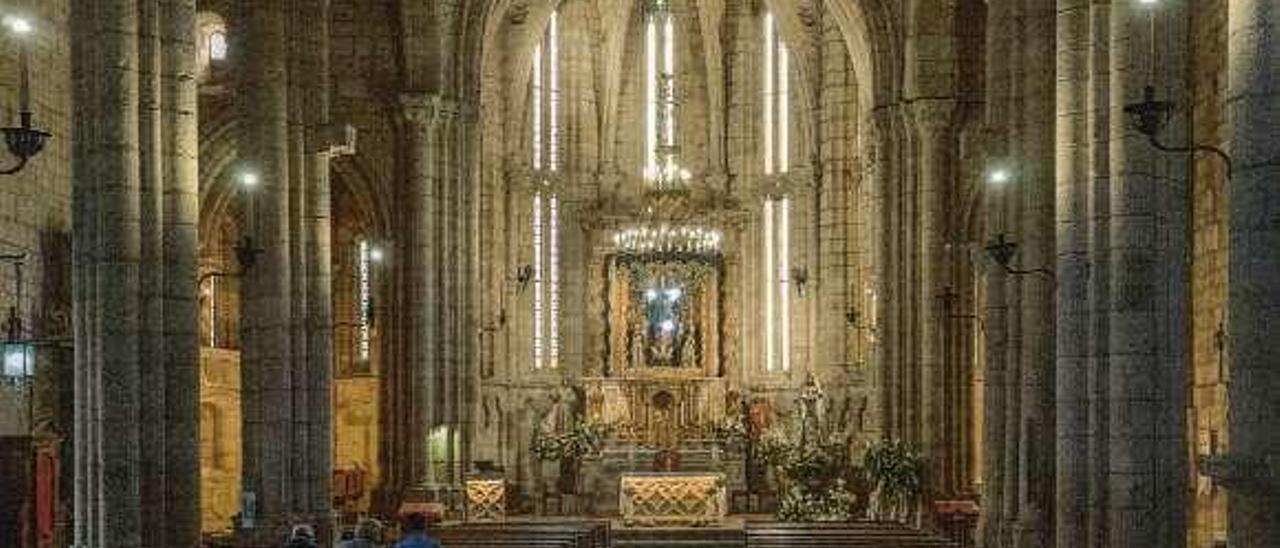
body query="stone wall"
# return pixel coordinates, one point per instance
(35, 204)
(219, 438)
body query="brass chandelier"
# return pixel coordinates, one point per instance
(667, 226)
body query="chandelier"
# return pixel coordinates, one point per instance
(668, 227)
(667, 239)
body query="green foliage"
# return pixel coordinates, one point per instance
(896, 472)
(583, 438)
(803, 505)
(733, 432)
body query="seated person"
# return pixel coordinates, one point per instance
(415, 533)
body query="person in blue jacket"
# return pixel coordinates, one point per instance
(415, 534)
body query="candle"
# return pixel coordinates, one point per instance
(24, 91)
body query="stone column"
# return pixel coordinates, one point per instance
(1099, 275)
(935, 125)
(1146, 345)
(995, 287)
(1035, 167)
(266, 367)
(113, 368)
(134, 224)
(150, 272)
(324, 139)
(423, 115)
(1254, 304)
(1072, 216)
(180, 250)
(884, 207)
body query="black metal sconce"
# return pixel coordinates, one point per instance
(23, 141)
(1001, 250)
(246, 253)
(800, 275)
(524, 275)
(1150, 116)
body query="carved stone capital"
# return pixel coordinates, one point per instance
(426, 109)
(333, 139)
(935, 117)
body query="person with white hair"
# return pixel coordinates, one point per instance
(302, 536)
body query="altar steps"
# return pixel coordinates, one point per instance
(678, 538)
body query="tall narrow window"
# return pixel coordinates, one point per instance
(364, 288)
(544, 99)
(776, 109)
(213, 311)
(546, 280)
(777, 284)
(660, 86)
(545, 112)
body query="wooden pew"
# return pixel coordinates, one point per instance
(831, 535)
(570, 534)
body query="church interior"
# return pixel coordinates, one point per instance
(641, 273)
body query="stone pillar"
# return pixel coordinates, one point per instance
(150, 272)
(995, 312)
(934, 121)
(423, 115)
(134, 271)
(323, 139)
(180, 250)
(267, 394)
(1099, 275)
(113, 368)
(1148, 253)
(884, 207)
(1254, 304)
(1035, 178)
(1072, 216)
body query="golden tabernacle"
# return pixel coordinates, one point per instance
(667, 499)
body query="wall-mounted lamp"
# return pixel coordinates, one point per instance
(1150, 116)
(524, 275)
(1001, 250)
(800, 275)
(246, 253)
(23, 141)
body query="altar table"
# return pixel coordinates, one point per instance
(652, 499)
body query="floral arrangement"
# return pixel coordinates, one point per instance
(895, 471)
(583, 438)
(812, 463)
(802, 505)
(733, 432)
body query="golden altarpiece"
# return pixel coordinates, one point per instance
(662, 379)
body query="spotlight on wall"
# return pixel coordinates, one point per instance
(376, 254)
(249, 178)
(18, 25)
(999, 176)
